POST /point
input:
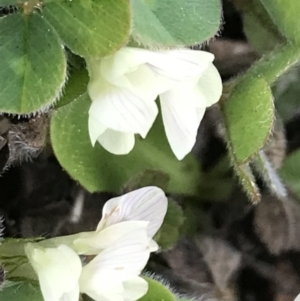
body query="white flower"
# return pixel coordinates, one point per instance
(113, 275)
(124, 86)
(144, 208)
(58, 270)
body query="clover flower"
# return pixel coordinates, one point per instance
(124, 86)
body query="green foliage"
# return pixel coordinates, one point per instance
(261, 32)
(285, 15)
(274, 64)
(290, 172)
(157, 292)
(76, 85)
(216, 183)
(98, 170)
(175, 22)
(170, 231)
(33, 68)
(90, 28)
(148, 177)
(286, 93)
(254, 122)
(249, 118)
(33, 72)
(14, 290)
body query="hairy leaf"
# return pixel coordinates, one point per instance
(33, 64)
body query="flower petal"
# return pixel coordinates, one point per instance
(92, 243)
(119, 262)
(180, 64)
(210, 85)
(153, 246)
(58, 270)
(95, 129)
(135, 288)
(145, 83)
(144, 204)
(128, 255)
(72, 295)
(121, 110)
(180, 117)
(124, 61)
(117, 143)
(104, 287)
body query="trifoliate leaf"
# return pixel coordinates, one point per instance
(33, 64)
(176, 22)
(90, 28)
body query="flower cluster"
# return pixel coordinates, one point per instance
(121, 246)
(124, 87)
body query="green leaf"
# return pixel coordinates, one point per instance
(90, 28)
(249, 116)
(285, 15)
(148, 177)
(261, 32)
(157, 292)
(77, 85)
(21, 291)
(98, 170)
(169, 233)
(33, 64)
(175, 22)
(290, 172)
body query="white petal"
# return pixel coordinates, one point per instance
(105, 287)
(119, 262)
(180, 64)
(92, 243)
(146, 84)
(297, 298)
(95, 129)
(58, 270)
(144, 204)
(127, 255)
(135, 288)
(200, 113)
(124, 61)
(210, 85)
(153, 246)
(72, 295)
(121, 110)
(117, 143)
(180, 117)
(139, 79)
